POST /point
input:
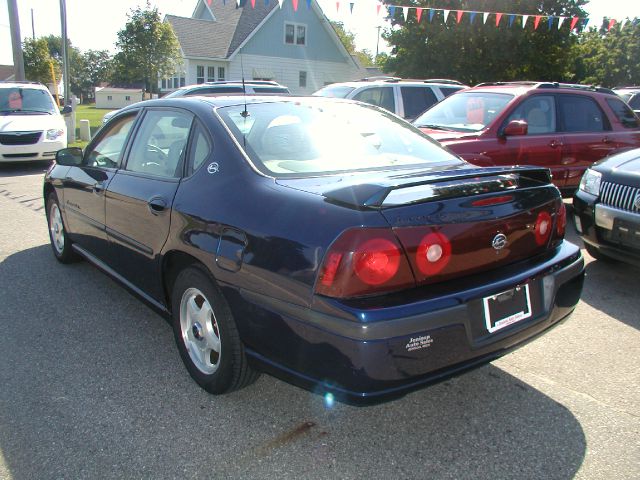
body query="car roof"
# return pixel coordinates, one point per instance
(520, 88)
(393, 81)
(35, 85)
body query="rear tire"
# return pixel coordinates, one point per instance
(60, 242)
(206, 334)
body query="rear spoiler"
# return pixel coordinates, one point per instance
(402, 190)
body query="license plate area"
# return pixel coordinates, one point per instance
(506, 308)
(625, 233)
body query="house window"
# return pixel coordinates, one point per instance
(182, 82)
(127, 98)
(220, 73)
(109, 98)
(295, 34)
(211, 74)
(303, 79)
(200, 74)
(164, 83)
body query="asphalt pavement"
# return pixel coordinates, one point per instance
(92, 387)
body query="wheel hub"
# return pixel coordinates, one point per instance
(197, 331)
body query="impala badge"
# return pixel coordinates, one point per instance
(499, 241)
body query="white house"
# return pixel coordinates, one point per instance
(117, 97)
(223, 41)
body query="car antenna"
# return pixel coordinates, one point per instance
(244, 113)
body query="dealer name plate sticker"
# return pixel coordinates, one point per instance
(506, 308)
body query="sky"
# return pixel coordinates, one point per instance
(93, 24)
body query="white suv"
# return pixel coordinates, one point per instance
(31, 127)
(405, 98)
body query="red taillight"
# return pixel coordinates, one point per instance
(543, 228)
(561, 221)
(364, 261)
(433, 254)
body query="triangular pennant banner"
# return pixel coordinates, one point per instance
(612, 22)
(459, 14)
(432, 12)
(550, 22)
(405, 12)
(561, 21)
(280, 3)
(419, 14)
(498, 18)
(446, 15)
(485, 15)
(337, 6)
(308, 4)
(472, 16)
(392, 11)
(574, 21)
(351, 7)
(536, 22)
(511, 19)
(623, 23)
(378, 9)
(295, 5)
(209, 2)
(524, 20)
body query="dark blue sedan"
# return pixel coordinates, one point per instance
(324, 241)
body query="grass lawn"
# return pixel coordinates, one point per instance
(94, 115)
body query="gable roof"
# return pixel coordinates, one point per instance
(219, 38)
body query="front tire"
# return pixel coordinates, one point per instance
(60, 242)
(206, 334)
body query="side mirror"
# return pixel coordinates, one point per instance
(69, 157)
(66, 110)
(515, 127)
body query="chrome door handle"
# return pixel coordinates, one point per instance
(157, 205)
(98, 187)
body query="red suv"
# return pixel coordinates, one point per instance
(563, 127)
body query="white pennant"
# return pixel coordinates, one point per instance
(524, 20)
(485, 15)
(446, 15)
(561, 19)
(238, 3)
(279, 2)
(405, 12)
(623, 23)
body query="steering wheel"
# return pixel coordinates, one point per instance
(160, 155)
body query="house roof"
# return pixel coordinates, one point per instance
(221, 37)
(6, 72)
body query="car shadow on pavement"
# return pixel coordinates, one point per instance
(93, 387)
(18, 169)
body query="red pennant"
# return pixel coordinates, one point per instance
(537, 22)
(498, 18)
(378, 9)
(337, 6)
(418, 14)
(574, 21)
(612, 22)
(253, 3)
(295, 5)
(459, 15)
(209, 2)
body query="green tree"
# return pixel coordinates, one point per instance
(38, 60)
(76, 62)
(147, 48)
(477, 52)
(348, 39)
(97, 67)
(608, 58)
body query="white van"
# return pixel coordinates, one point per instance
(31, 126)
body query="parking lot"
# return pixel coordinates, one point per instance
(92, 386)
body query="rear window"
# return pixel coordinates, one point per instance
(314, 137)
(334, 91)
(416, 100)
(635, 102)
(446, 91)
(214, 91)
(271, 90)
(623, 113)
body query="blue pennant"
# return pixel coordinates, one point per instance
(432, 12)
(392, 11)
(351, 7)
(550, 22)
(308, 4)
(472, 16)
(511, 19)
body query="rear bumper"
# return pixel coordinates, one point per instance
(406, 343)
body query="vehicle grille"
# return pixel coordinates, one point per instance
(619, 196)
(20, 138)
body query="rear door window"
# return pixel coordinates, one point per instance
(446, 91)
(624, 113)
(580, 114)
(416, 100)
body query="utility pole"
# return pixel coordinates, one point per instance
(33, 26)
(378, 42)
(16, 41)
(65, 56)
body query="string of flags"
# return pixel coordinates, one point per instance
(431, 14)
